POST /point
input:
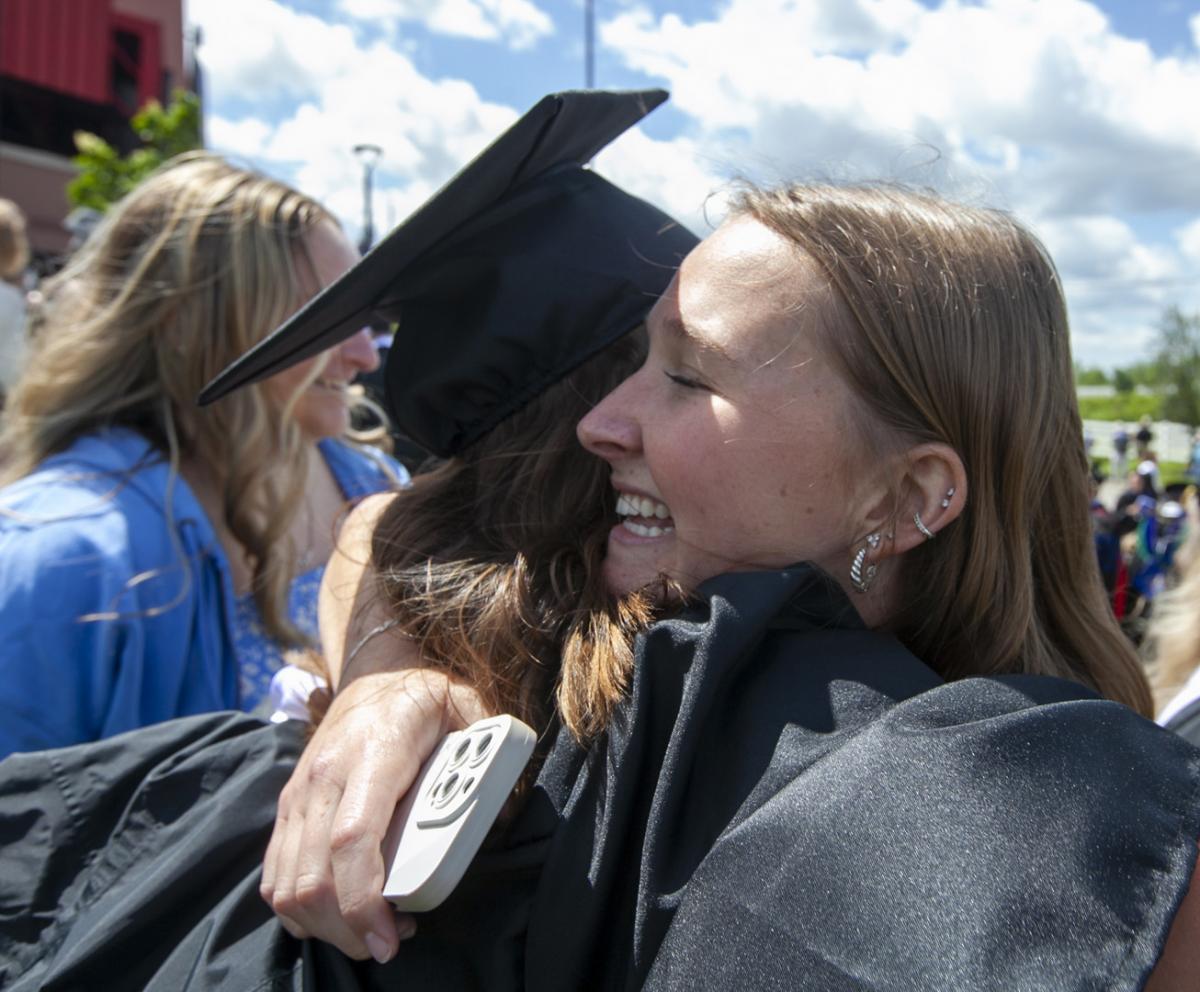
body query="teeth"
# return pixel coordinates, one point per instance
(641, 530)
(630, 505)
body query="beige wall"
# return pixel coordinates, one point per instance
(36, 182)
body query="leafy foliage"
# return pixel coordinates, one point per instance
(1090, 376)
(1177, 357)
(105, 175)
(1123, 406)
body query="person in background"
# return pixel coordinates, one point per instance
(1193, 468)
(1144, 436)
(14, 259)
(157, 559)
(1120, 444)
(1174, 637)
(1108, 546)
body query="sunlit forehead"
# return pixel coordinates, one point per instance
(742, 296)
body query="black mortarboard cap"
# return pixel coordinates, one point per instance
(519, 269)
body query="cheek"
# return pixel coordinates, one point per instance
(320, 415)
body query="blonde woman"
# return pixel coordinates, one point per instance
(157, 559)
(1175, 635)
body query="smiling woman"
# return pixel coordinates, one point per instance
(910, 760)
(157, 558)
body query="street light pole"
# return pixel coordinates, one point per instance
(589, 44)
(369, 156)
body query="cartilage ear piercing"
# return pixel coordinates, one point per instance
(862, 574)
(946, 498)
(921, 527)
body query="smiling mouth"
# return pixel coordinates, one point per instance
(643, 516)
(337, 387)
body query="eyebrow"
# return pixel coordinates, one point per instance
(676, 328)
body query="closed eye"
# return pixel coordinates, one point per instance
(684, 381)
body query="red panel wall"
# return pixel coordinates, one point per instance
(61, 45)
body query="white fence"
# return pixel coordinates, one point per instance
(1172, 442)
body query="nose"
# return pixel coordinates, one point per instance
(611, 429)
(359, 353)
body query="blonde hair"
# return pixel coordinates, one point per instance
(14, 245)
(186, 273)
(958, 334)
(1174, 635)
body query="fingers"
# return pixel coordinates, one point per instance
(355, 846)
(376, 785)
(300, 888)
(324, 870)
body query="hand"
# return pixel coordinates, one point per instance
(323, 873)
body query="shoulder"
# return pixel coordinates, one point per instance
(958, 810)
(362, 469)
(348, 607)
(96, 515)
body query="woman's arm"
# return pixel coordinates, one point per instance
(323, 872)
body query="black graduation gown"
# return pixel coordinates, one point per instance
(787, 800)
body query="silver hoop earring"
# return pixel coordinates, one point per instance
(862, 574)
(921, 527)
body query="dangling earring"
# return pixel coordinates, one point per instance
(921, 527)
(862, 574)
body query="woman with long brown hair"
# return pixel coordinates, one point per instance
(906, 724)
(785, 795)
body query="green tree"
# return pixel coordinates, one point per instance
(1177, 358)
(1090, 376)
(105, 175)
(1144, 373)
(1123, 382)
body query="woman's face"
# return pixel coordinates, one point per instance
(323, 407)
(732, 448)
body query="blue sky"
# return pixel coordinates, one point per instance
(1079, 115)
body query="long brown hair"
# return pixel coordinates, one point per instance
(192, 268)
(959, 335)
(492, 561)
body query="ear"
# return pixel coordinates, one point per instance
(931, 483)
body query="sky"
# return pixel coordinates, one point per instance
(1082, 117)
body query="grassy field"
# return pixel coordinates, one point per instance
(1171, 472)
(1122, 406)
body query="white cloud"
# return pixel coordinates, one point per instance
(246, 137)
(1188, 238)
(1039, 107)
(674, 175)
(518, 23)
(349, 93)
(262, 49)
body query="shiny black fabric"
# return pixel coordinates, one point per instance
(787, 800)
